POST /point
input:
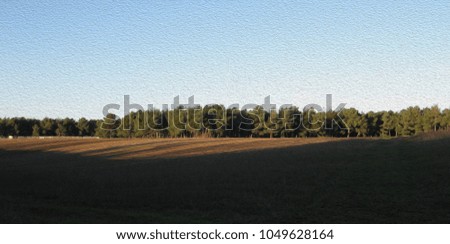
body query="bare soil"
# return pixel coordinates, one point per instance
(314, 180)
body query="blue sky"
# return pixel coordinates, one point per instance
(63, 58)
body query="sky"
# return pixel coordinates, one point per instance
(71, 58)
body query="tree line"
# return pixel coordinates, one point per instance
(216, 121)
(18, 127)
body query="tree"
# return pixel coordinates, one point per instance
(246, 123)
(389, 119)
(127, 129)
(272, 124)
(66, 127)
(311, 123)
(398, 125)
(36, 130)
(258, 116)
(156, 123)
(194, 125)
(410, 120)
(142, 125)
(333, 124)
(374, 123)
(2, 127)
(8, 127)
(445, 119)
(216, 121)
(61, 130)
(108, 126)
(237, 124)
(431, 118)
(177, 119)
(355, 123)
(70, 126)
(83, 127)
(435, 116)
(48, 127)
(12, 127)
(289, 121)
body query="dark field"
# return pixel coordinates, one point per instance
(405, 180)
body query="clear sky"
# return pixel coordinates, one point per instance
(63, 58)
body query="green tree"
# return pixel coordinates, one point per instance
(272, 124)
(71, 127)
(236, 123)
(83, 127)
(36, 130)
(48, 127)
(2, 127)
(177, 120)
(128, 127)
(156, 123)
(214, 120)
(9, 127)
(410, 119)
(258, 116)
(374, 123)
(312, 122)
(390, 120)
(290, 121)
(61, 130)
(353, 123)
(246, 124)
(431, 118)
(108, 126)
(194, 127)
(13, 127)
(445, 119)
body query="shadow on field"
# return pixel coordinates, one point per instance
(348, 181)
